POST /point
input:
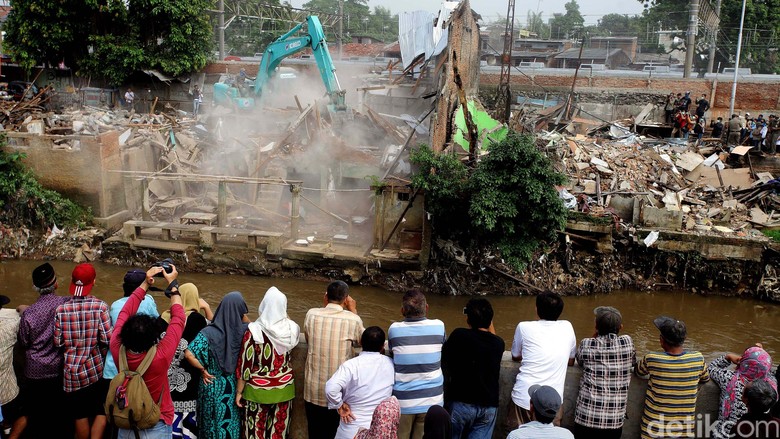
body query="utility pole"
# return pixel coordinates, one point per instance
(736, 65)
(341, 28)
(221, 30)
(504, 92)
(714, 41)
(690, 45)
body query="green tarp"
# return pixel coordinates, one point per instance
(485, 127)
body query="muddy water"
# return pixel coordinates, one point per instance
(715, 324)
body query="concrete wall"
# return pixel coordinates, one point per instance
(707, 401)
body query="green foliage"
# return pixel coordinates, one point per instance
(358, 19)
(564, 26)
(537, 25)
(23, 201)
(111, 39)
(774, 234)
(509, 202)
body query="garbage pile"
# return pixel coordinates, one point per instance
(708, 190)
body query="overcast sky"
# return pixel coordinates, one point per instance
(591, 10)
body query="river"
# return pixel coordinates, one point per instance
(715, 324)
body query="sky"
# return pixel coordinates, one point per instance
(490, 10)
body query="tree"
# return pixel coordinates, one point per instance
(111, 38)
(564, 25)
(356, 14)
(537, 25)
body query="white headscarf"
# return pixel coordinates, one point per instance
(273, 321)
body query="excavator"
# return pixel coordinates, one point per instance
(287, 45)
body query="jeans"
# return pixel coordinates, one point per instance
(159, 431)
(472, 421)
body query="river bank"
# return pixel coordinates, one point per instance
(568, 269)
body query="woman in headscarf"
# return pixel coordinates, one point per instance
(438, 424)
(183, 377)
(752, 365)
(384, 422)
(266, 385)
(214, 353)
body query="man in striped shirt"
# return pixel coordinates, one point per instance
(332, 333)
(674, 378)
(415, 344)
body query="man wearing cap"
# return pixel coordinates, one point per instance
(545, 403)
(606, 360)
(82, 328)
(9, 390)
(43, 360)
(545, 348)
(674, 376)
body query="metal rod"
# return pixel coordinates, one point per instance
(222, 204)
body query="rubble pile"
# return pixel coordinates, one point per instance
(704, 190)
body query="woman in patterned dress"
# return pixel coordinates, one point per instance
(265, 377)
(182, 376)
(214, 352)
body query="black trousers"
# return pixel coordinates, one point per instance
(323, 422)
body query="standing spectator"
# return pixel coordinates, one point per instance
(415, 344)
(698, 129)
(130, 99)
(197, 99)
(673, 381)
(545, 403)
(137, 335)
(266, 385)
(183, 377)
(360, 384)
(758, 422)
(685, 123)
(133, 279)
(545, 348)
(702, 105)
(384, 423)
(332, 333)
(606, 360)
(9, 390)
(43, 360)
(685, 102)
(754, 364)
(214, 352)
(717, 128)
(669, 107)
(472, 397)
(747, 126)
(82, 328)
(735, 129)
(774, 133)
(755, 134)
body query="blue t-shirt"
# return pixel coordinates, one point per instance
(147, 307)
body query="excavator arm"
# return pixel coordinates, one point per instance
(288, 45)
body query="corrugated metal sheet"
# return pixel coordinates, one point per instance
(417, 34)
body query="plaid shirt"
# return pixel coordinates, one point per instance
(331, 333)
(606, 363)
(82, 327)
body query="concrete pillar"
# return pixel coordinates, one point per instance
(295, 206)
(144, 193)
(222, 204)
(690, 45)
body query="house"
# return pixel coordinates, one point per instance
(627, 44)
(365, 39)
(611, 58)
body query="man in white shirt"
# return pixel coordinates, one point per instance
(545, 348)
(360, 384)
(130, 99)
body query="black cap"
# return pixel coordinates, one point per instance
(672, 330)
(43, 276)
(545, 400)
(133, 279)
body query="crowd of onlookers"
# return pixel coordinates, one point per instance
(218, 375)
(759, 132)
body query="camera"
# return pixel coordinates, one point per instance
(166, 264)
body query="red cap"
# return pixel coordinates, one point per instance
(83, 279)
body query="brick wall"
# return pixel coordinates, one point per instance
(753, 95)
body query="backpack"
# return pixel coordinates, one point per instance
(129, 404)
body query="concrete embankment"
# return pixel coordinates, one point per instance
(707, 402)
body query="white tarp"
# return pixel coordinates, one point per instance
(417, 34)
